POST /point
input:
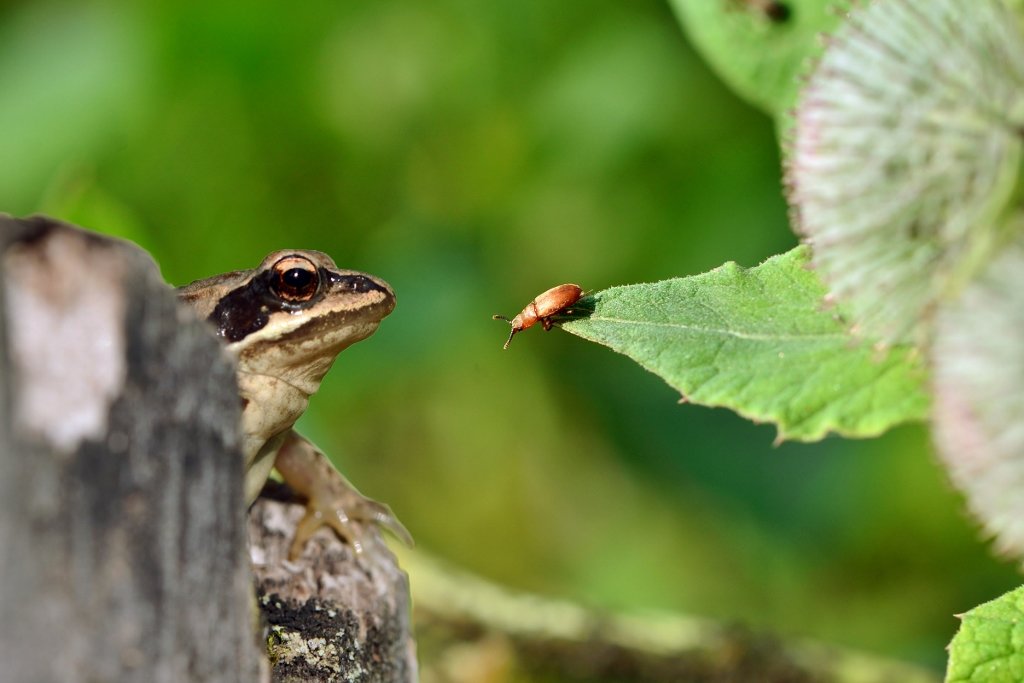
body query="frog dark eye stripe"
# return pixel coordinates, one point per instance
(248, 308)
(240, 313)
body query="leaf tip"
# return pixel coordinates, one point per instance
(683, 399)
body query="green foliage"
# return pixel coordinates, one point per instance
(98, 73)
(759, 56)
(905, 156)
(759, 341)
(904, 178)
(903, 175)
(987, 648)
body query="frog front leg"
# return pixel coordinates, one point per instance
(330, 499)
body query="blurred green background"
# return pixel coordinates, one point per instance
(474, 154)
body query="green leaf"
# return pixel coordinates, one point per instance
(988, 646)
(759, 56)
(758, 341)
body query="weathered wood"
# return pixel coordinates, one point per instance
(121, 511)
(121, 505)
(332, 614)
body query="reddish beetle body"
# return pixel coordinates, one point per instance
(555, 300)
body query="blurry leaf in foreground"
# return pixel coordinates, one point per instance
(906, 151)
(979, 397)
(758, 51)
(988, 646)
(758, 341)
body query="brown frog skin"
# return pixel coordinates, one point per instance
(285, 322)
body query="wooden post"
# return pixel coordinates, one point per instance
(121, 514)
(122, 521)
(332, 615)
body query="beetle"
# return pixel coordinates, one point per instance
(552, 302)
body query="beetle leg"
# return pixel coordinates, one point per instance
(546, 322)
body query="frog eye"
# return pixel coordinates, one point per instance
(296, 279)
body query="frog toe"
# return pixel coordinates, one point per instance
(317, 517)
(381, 515)
(350, 521)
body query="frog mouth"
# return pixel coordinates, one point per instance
(343, 323)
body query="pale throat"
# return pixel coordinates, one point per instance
(298, 362)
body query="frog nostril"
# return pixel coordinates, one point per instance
(359, 283)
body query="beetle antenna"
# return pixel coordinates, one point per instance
(510, 334)
(509, 341)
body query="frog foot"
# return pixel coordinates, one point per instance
(331, 500)
(346, 518)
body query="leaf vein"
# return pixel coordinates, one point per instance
(753, 336)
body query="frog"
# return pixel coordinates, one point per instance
(284, 324)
